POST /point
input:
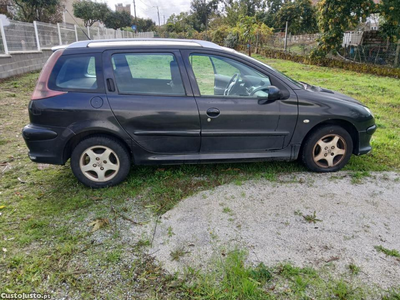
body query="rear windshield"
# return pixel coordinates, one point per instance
(75, 73)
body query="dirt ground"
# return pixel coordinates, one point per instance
(319, 220)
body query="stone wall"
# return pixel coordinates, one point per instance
(17, 63)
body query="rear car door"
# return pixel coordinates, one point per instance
(236, 120)
(150, 95)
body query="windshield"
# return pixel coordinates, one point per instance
(295, 82)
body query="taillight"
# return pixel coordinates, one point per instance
(42, 90)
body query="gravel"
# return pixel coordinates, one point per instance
(268, 219)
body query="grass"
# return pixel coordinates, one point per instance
(388, 252)
(233, 279)
(45, 212)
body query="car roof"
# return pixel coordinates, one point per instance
(140, 42)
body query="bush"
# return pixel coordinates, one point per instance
(231, 41)
(329, 62)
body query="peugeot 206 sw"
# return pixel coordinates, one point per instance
(107, 104)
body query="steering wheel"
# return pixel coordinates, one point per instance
(232, 83)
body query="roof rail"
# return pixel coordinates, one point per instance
(154, 42)
(143, 42)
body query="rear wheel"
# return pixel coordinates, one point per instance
(327, 149)
(100, 161)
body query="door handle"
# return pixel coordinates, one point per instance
(110, 85)
(213, 112)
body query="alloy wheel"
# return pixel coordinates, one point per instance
(99, 163)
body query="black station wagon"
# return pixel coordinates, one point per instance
(108, 104)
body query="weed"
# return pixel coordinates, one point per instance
(177, 254)
(356, 177)
(354, 269)
(271, 176)
(170, 233)
(388, 252)
(113, 256)
(312, 218)
(227, 210)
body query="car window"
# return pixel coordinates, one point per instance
(147, 73)
(76, 72)
(225, 77)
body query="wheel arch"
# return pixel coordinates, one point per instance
(348, 126)
(74, 141)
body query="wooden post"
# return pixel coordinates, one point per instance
(396, 59)
(286, 29)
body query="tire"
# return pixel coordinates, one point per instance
(327, 149)
(100, 161)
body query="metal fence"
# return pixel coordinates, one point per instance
(361, 51)
(377, 54)
(297, 44)
(18, 36)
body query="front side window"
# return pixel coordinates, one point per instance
(147, 73)
(75, 73)
(225, 77)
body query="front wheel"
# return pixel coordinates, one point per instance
(328, 149)
(100, 161)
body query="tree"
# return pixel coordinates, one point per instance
(272, 9)
(235, 9)
(300, 15)
(90, 12)
(116, 19)
(390, 11)
(334, 18)
(145, 24)
(252, 31)
(49, 11)
(201, 12)
(180, 23)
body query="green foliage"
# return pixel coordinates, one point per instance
(334, 18)
(235, 9)
(388, 252)
(201, 11)
(180, 23)
(232, 40)
(231, 280)
(390, 11)
(301, 17)
(249, 30)
(117, 19)
(144, 25)
(90, 12)
(37, 10)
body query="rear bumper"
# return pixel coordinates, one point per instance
(364, 138)
(46, 144)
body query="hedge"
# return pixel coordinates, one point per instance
(329, 62)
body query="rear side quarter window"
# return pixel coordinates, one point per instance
(76, 73)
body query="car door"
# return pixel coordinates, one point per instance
(151, 98)
(238, 121)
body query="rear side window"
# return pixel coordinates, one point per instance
(147, 73)
(75, 72)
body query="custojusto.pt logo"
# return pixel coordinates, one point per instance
(24, 296)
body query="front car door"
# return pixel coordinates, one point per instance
(233, 117)
(151, 98)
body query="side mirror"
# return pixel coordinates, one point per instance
(272, 92)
